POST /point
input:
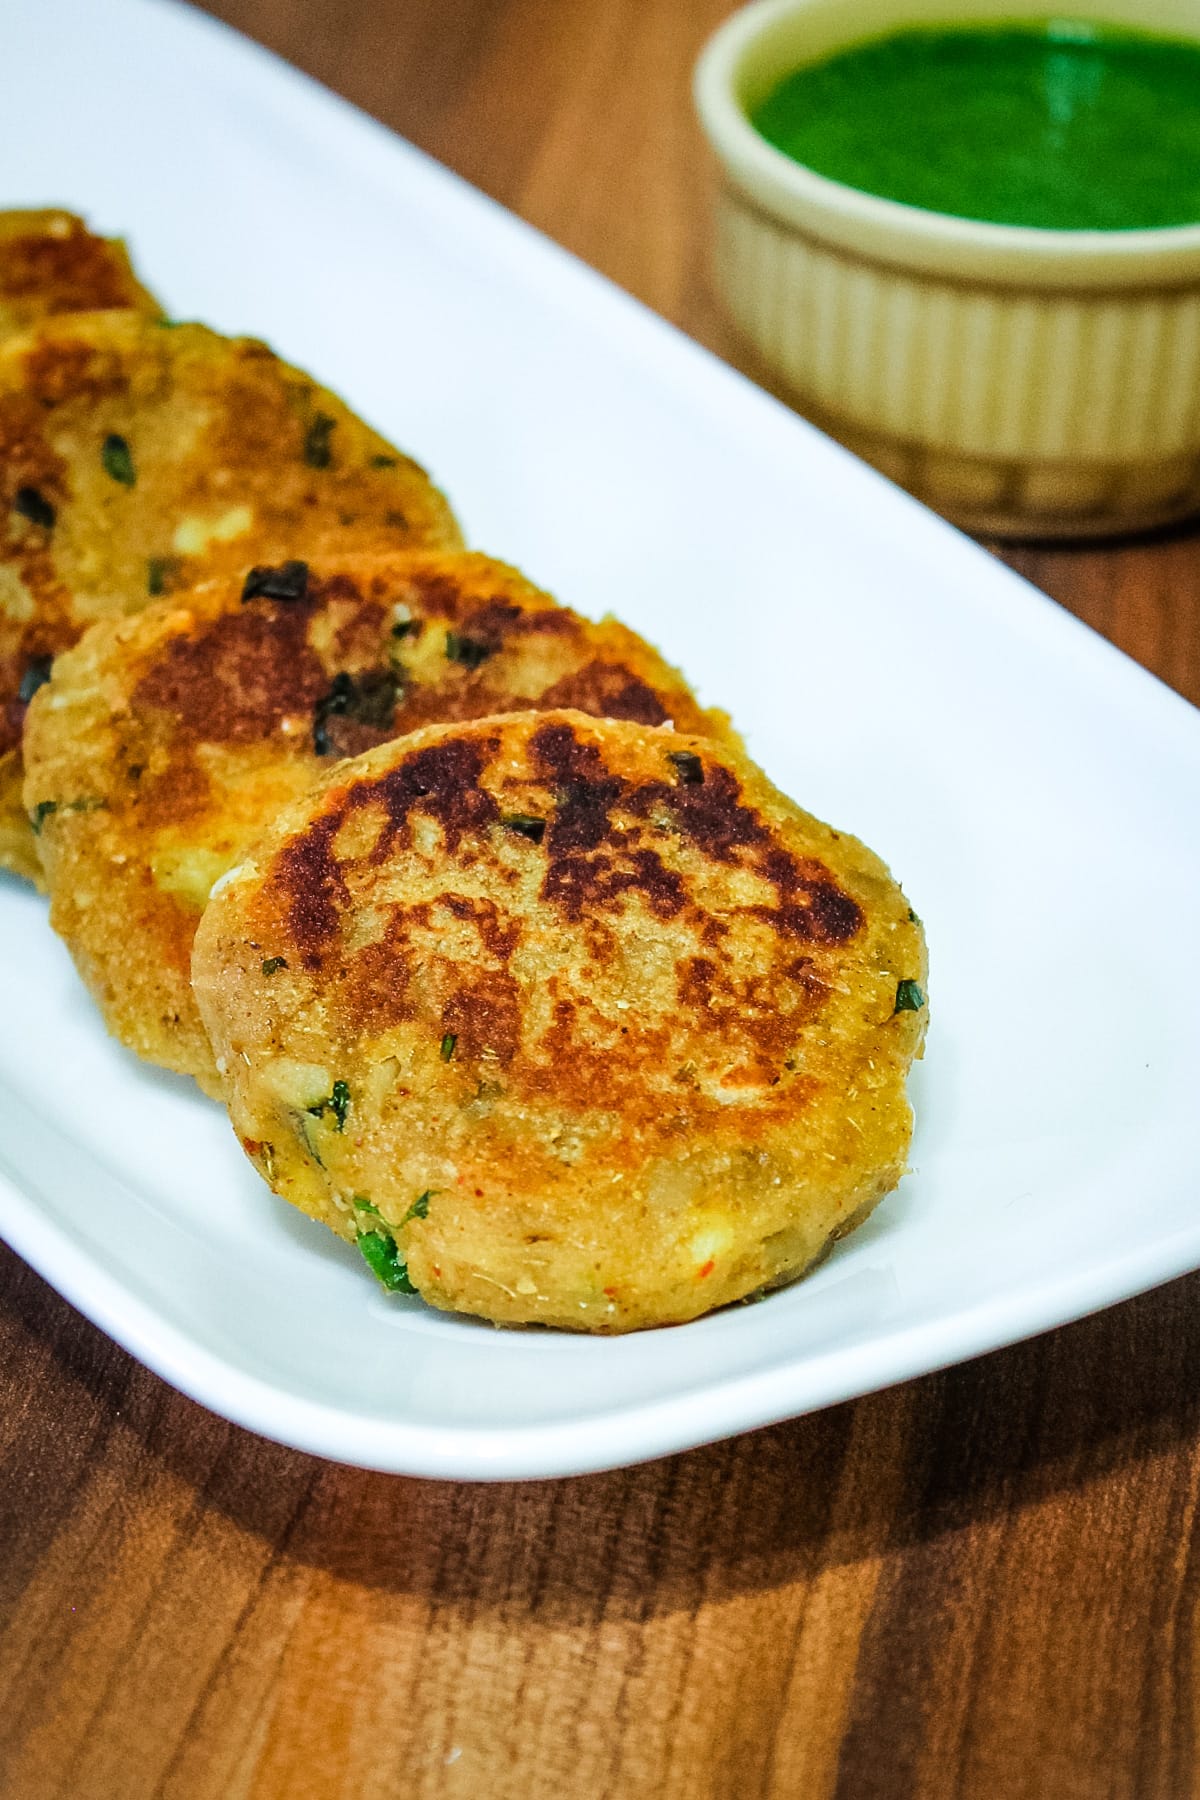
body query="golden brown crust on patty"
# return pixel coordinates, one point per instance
(625, 1022)
(18, 851)
(137, 458)
(50, 263)
(165, 743)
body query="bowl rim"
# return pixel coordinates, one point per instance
(876, 230)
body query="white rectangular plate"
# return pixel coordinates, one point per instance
(1038, 795)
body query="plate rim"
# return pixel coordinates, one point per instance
(624, 1435)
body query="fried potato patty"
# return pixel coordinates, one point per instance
(51, 263)
(165, 743)
(137, 458)
(566, 1020)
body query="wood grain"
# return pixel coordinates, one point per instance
(982, 1584)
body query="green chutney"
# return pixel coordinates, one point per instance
(1063, 125)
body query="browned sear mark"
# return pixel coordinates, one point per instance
(608, 692)
(68, 271)
(441, 781)
(235, 679)
(812, 907)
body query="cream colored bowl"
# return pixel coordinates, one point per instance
(1025, 382)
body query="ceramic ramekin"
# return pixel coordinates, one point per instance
(1025, 382)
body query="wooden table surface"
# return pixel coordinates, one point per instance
(982, 1584)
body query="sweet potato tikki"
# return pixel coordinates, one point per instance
(50, 263)
(136, 458)
(164, 744)
(566, 1020)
